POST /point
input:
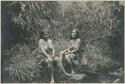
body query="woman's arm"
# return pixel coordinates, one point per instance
(52, 46)
(53, 53)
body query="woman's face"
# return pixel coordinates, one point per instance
(74, 34)
(46, 35)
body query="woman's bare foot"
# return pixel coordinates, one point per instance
(73, 72)
(68, 73)
(52, 81)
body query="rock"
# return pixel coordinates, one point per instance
(116, 81)
(77, 76)
(118, 72)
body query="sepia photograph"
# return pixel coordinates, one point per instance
(62, 41)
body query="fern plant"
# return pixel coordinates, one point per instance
(22, 66)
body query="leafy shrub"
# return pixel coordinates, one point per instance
(21, 67)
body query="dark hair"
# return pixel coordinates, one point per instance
(77, 35)
(42, 34)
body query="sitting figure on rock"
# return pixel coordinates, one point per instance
(72, 53)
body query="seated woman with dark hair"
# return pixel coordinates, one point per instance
(72, 52)
(47, 51)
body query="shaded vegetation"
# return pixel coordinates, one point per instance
(100, 25)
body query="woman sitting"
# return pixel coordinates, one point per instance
(47, 51)
(72, 52)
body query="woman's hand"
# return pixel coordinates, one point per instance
(66, 51)
(49, 59)
(52, 56)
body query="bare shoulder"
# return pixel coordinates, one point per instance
(50, 40)
(78, 40)
(41, 40)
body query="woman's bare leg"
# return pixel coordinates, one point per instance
(50, 67)
(61, 64)
(67, 57)
(52, 73)
(60, 61)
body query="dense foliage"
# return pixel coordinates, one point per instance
(99, 24)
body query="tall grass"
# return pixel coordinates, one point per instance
(21, 66)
